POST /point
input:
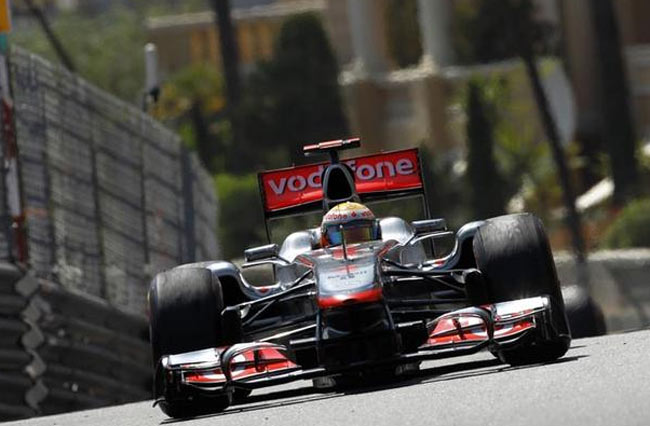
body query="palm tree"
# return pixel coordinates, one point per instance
(617, 120)
(229, 52)
(522, 37)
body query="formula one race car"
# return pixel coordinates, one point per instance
(357, 296)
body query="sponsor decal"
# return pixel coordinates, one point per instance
(346, 211)
(392, 171)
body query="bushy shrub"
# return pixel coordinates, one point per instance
(241, 223)
(291, 100)
(631, 228)
(485, 184)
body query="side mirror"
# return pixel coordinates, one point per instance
(261, 253)
(429, 226)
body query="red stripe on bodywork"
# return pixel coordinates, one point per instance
(373, 295)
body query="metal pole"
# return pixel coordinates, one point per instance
(152, 79)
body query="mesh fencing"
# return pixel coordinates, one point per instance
(111, 196)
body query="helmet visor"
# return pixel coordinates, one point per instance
(356, 232)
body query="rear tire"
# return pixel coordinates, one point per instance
(586, 318)
(515, 258)
(185, 307)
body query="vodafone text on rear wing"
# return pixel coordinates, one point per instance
(383, 176)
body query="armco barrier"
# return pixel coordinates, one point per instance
(21, 387)
(64, 350)
(95, 354)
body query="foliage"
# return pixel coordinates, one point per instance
(166, 7)
(404, 41)
(241, 223)
(201, 82)
(294, 98)
(486, 187)
(445, 187)
(524, 159)
(92, 8)
(631, 228)
(107, 49)
(189, 101)
(495, 30)
(104, 41)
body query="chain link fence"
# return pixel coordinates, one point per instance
(110, 195)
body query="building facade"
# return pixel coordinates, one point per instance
(580, 47)
(391, 107)
(192, 38)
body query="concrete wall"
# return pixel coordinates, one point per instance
(619, 282)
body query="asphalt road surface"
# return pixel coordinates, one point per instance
(601, 381)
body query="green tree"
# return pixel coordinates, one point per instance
(229, 51)
(631, 228)
(106, 49)
(190, 101)
(293, 99)
(485, 31)
(508, 28)
(240, 223)
(487, 189)
(105, 43)
(618, 125)
(404, 41)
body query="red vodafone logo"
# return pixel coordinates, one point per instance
(374, 173)
(364, 172)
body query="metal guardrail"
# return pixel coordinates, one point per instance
(63, 350)
(19, 364)
(95, 354)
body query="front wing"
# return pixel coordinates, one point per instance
(260, 364)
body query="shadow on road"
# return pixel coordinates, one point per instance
(501, 368)
(424, 376)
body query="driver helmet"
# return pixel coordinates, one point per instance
(352, 221)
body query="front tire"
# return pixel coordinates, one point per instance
(514, 255)
(185, 307)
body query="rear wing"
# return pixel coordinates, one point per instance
(384, 176)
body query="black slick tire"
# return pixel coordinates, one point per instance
(185, 315)
(514, 256)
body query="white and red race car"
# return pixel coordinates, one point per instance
(347, 311)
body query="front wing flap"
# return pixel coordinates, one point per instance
(259, 364)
